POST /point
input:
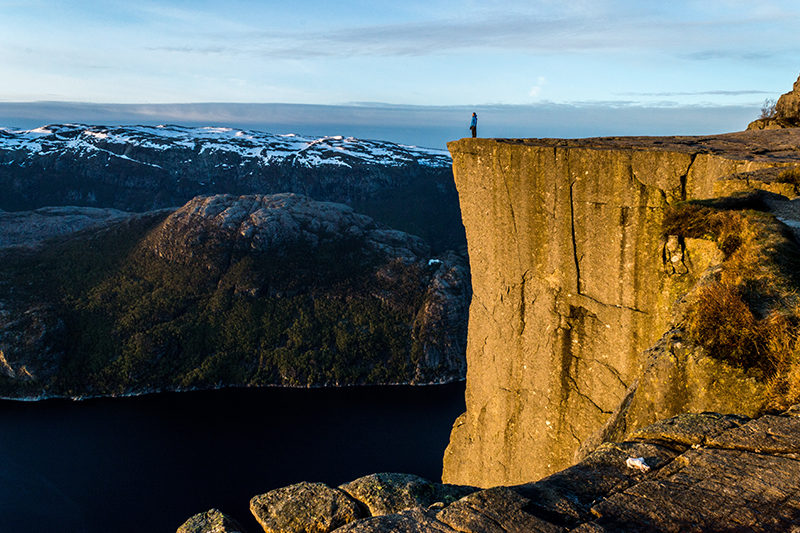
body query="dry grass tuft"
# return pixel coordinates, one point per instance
(696, 221)
(724, 324)
(749, 315)
(791, 175)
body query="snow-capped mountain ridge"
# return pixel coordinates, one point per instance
(266, 148)
(140, 168)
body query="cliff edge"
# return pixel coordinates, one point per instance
(573, 280)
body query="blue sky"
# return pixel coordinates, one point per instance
(401, 68)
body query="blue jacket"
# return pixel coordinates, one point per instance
(474, 122)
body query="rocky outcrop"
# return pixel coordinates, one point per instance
(391, 493)
(573, 282)
(277, 225)
(304, 508)
(230, 291)
(786, 113)
(693, 472)
(316, 507)
(272, 224)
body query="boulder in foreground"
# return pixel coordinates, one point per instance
(304, 508)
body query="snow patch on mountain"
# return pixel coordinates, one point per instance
(267, 148)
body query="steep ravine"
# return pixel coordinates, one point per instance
(573, 281)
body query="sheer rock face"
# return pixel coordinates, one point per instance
(788, 105)
(572, 282)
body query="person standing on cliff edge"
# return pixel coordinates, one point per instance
(474, 125)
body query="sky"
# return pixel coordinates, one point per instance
(410, 71)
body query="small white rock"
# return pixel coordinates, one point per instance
(637, 463)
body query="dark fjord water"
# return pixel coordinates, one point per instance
(149, 463)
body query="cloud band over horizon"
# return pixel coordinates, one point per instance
(429, 126)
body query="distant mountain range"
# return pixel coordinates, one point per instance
(263, 277)
(140, 168)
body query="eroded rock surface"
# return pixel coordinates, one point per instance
(271, 224)
(304, 508)
(390, 493)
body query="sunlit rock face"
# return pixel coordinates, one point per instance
(573, 281)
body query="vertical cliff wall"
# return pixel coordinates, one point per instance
(572, 282)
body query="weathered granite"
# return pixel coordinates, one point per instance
(304, 508)
(390, 493)
(270, 224)
(415, 520)
(572, 282)
(495, 510)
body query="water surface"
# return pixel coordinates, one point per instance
(149, 463)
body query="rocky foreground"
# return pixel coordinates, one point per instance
(693, 472)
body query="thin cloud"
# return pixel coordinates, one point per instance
(431, 126)
(527, 32)
(747, 55)
(698, 93)
(203, 50)
(422, 39)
